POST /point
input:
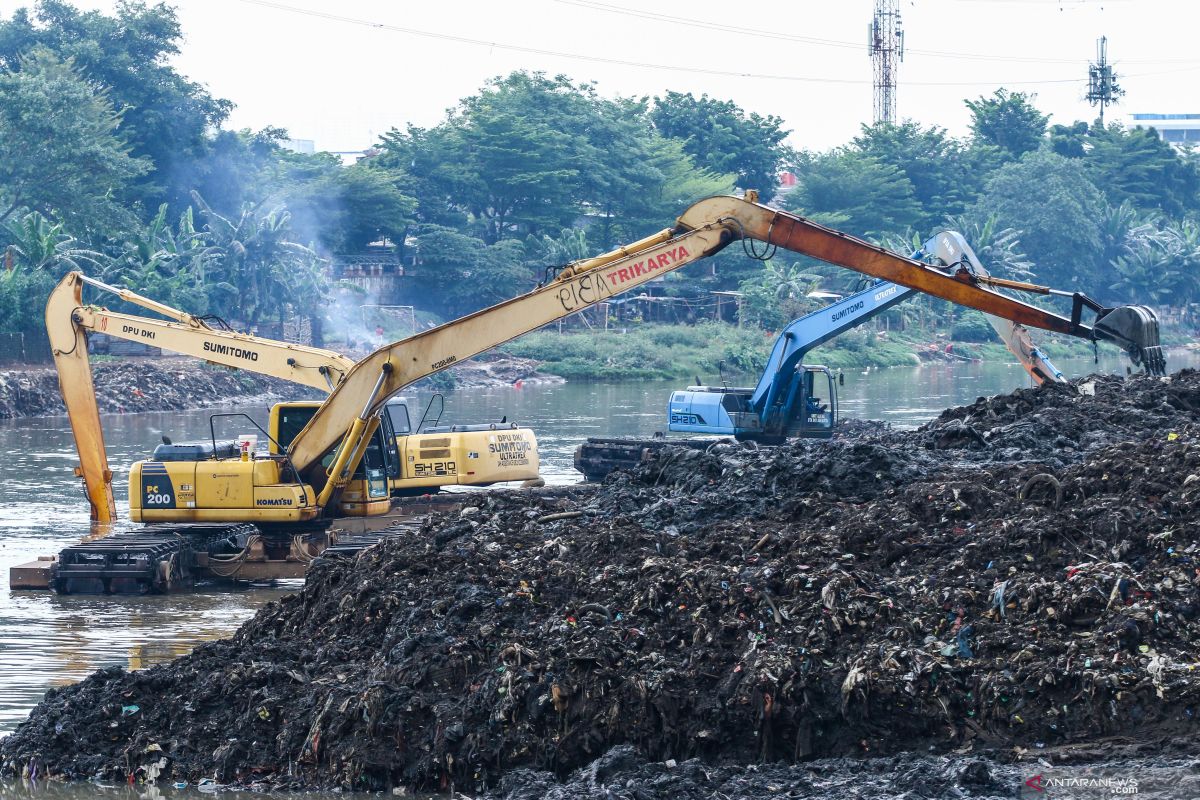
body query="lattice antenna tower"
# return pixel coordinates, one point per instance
(885, 43)
(1102, 81)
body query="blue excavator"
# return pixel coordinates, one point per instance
(793, 399)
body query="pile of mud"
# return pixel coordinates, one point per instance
(1019, 577)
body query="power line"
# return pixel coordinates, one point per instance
(617, 61)
(722, 27)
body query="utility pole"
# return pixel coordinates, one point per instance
(885, 43)
(1102, 81)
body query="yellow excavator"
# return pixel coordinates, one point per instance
(409, 458)
(290, 496)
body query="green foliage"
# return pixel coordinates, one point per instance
(1053, 205)
(1159, 264)
(944, 175)
(60, 153)
(679, 352)
(998, 249)
(531, 155)
(855, 193)
(164, 263)
(1136, 165)
(571, 244)
(1008, 121)
(37, 254)
(254, 270)
(467, 273)
(972, 326)
(35, 244)
(778, 294)
(347, 208)
(165, 117)
(723, 139)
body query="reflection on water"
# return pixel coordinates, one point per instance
(47, 640)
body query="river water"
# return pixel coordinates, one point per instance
(48, 640)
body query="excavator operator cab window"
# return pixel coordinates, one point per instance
(820, 401)
(397, 412)
(374, 466)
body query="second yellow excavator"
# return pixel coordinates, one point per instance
(410, 457)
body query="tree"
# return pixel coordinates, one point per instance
(467, 274)
(855, 193)
(165, 119)
(945, 177)
(1054, 207)
(257, 271)
(1136, 165)
(60, 154)
(1008, 121)
(722, 138)
(347, 208)
(1160, 265)
(168, 264)
(1069, 140)
(36, 244)
(525, 158)
(778, 294)
(531, 154)
(999, 249)
(37, 253)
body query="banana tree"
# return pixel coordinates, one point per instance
(257, 272)
(37, 244)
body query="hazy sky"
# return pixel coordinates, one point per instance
(343, 72)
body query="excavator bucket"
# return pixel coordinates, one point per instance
(1134, 328)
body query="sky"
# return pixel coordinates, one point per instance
(343, 73)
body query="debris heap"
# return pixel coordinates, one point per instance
(1021, 575)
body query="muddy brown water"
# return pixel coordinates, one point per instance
(47, 640)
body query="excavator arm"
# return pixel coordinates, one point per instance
(68, 322)
(704, 229)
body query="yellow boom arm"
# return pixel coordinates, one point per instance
(705, 228)
(68, 321)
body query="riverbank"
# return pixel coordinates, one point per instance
(1014, 580)
(176, 384)
(705, 350)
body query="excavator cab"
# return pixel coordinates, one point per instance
(815, 413)
(368, 493)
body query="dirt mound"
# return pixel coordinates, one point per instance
(1020, 575)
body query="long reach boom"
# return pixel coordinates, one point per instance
(704, 229)
(68, 321)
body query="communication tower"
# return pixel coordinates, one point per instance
(1102, 81)
(885, 43)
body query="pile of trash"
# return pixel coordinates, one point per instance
(175, 384)
(143, 385)
(1019, 578)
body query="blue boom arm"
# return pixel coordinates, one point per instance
(784, 394)
(813, 330)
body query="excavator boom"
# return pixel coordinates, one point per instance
(705, 228)
(68, 321)
(1134, 328)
